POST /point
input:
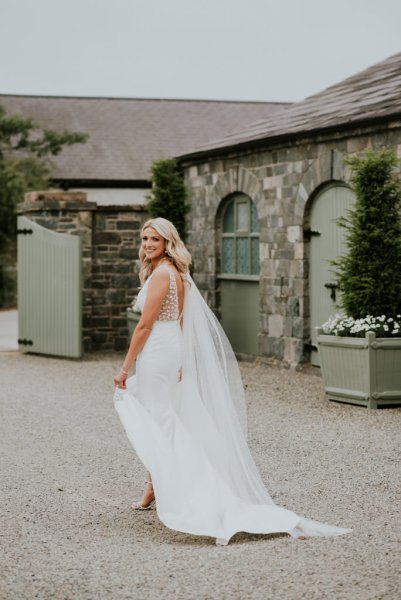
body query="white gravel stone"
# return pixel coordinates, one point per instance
(70, 475)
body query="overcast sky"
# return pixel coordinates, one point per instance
(213, 49)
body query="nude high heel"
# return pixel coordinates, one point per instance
(138, 506)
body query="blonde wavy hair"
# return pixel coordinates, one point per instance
(175, 249)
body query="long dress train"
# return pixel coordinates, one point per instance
(191, 434)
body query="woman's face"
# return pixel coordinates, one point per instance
(153, 244)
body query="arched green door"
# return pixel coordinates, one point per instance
(239, 273)
(327, 243)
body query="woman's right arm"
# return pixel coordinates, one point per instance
(157, 289)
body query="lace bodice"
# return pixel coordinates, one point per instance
(170, 309)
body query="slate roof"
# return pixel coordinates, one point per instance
(372, 94)
(126, 135)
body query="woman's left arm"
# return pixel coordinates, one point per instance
(157, 290)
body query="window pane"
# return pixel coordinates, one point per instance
(228, 222)
(254, 218)
(255, 266)
(243, 216)
(243, 256)
(228, 255)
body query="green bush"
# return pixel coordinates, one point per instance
(168, 196)
(24, 167)
(369, 275)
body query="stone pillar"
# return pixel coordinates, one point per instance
(67, 212)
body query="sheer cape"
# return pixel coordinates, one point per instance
(209, 360)
(210, 363)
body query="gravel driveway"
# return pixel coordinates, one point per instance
(69, 476)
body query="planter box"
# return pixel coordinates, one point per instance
(365, 371)
(133, 320)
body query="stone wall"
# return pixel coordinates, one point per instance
(110, 244)
(115, 269)
(282, 180)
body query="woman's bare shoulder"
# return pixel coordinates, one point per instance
(159, 277)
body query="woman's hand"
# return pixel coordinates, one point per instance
(120, 380)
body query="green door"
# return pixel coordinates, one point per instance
(49, 291)
(239, 273)
(327, 242)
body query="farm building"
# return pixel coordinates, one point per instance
(264, 204)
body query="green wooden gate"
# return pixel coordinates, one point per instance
(327, 242)
(239, 274)
(49, 291)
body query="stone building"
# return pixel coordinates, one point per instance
(104, 183)
(264, 202)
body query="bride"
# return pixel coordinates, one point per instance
(184, 410)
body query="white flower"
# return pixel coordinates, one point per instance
(340, 324)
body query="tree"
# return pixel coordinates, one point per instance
(24, 167)
(369, 275)
(168, 196)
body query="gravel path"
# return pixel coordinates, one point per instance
(70, 476)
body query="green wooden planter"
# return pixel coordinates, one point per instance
(364, 371)
(133, 320)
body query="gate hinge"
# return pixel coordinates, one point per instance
(24, 231)
(25, 342)
(332, 287)
(308, 233)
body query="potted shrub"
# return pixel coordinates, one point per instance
(360, 348)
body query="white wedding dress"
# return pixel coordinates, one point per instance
(191, 434)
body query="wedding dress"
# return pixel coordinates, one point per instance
(191, 433)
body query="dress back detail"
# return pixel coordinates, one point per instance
(170, 310)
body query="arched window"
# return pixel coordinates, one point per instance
(240, 237)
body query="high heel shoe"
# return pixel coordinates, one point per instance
(138, 506)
